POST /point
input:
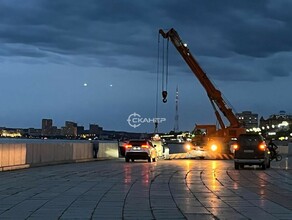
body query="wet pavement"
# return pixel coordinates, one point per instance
(167, 189)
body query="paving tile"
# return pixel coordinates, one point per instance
(73, 191)
(270, 207)
(283, 216)
(198, 216)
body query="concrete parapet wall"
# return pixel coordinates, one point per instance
(21, 155)
(283, 149)
(39, 153)
(82, 151)
(12, 154)
(108, 149)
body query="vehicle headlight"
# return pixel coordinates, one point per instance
(188, 146)
(214, 147)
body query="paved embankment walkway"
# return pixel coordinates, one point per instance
(172, 189)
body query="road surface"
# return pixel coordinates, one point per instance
(167, 189)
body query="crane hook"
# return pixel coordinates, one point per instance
(164, 96)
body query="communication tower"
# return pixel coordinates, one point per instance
(176, 126)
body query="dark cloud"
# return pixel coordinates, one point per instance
(230, 38)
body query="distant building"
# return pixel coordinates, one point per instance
(11, 132)
(94, 130)
(47, 125)
(56, 131)
(277, 126)
(80, 130)
(275, 120)
(70, 129)
(248, 119)
(32, 132)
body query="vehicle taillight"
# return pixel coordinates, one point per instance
(128, 146)
(144, 146)
(235, 146)
(262, 146)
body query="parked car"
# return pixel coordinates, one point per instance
(140, 149)
(251, 149)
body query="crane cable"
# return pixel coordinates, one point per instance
(157, 87)
(165, 71)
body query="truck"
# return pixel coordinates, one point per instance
(208, 137)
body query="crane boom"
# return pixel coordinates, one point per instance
(213, 93)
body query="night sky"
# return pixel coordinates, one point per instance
(95, 61)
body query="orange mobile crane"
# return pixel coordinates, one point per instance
(208, 135)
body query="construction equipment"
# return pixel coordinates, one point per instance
(208, 136)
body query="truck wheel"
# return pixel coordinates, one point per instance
(149, 159)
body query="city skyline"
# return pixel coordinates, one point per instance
(49, 130)
(97, 61)
(239, 115)
(40, 126)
